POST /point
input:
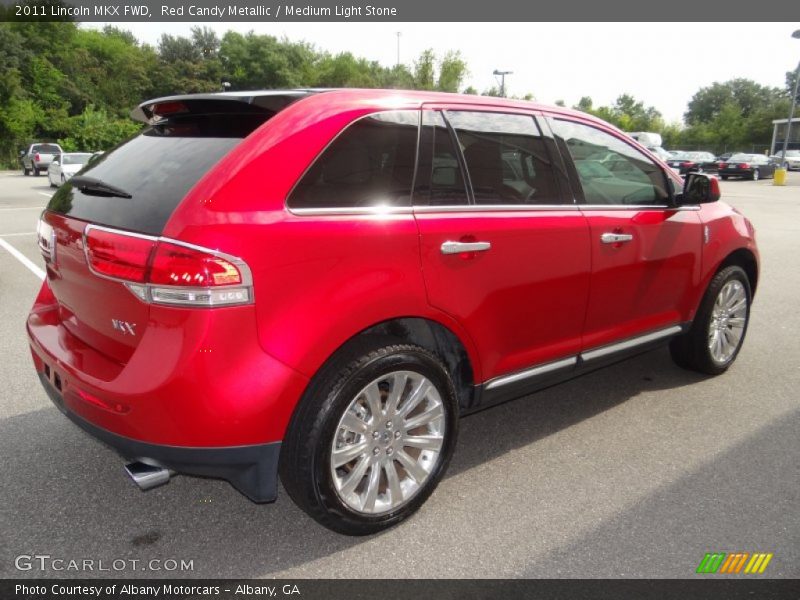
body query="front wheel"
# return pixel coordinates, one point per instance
(371, 439)
(717, 333)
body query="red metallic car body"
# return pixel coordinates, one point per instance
(231, 377)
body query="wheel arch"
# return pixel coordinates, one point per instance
(456, 353)
(745, 259)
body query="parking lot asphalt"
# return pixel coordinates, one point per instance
(637, 470)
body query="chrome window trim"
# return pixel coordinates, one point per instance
(631, 343)
(636, 207)
(353, 210)
(495, 207)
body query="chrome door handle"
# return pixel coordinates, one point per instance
(615, 238)
(459, 247)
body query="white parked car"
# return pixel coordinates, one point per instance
(792, 160)
(65, 166)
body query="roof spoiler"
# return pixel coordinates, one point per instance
(267, 101)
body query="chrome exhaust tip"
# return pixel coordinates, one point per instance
(147, 476)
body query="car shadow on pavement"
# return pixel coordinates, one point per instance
(742, 500)
(66, 495)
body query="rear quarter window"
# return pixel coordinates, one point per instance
(370, 164)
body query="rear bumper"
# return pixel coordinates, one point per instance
(253, 470)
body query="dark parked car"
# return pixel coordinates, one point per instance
(747, 166)
(694, 162)
(316, 285)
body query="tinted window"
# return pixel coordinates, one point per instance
(157, 167)
(75, 159)
(506, 158)
(371, 163)
(609, 170)
(440, 180)
(46, 148)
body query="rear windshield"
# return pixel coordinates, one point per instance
(76, 159)
(46, 148)
(157, 168)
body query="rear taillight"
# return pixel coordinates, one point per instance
(46, 238)
(723, 165)
(687, 163)
(167, 272)
(744, 165)
(36, 157)
(119, 256)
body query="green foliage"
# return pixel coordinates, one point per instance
(78, 85)
(94, 130)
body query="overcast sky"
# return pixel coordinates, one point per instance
(662, 64)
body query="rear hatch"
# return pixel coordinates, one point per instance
(134, 189)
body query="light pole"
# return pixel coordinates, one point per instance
(502, 75)
(399, 33)
(795, 35)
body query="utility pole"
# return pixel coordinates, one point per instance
(399, 33)
(502, 75)
(795, 35)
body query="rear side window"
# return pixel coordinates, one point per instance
(611, 171)
(157, 168)
(506, 158)
(440, 178)
(370, 164)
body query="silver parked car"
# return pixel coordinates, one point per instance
(65, 166)
(792, 160)
(38, 157)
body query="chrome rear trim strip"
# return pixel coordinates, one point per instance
(540, 370)
(631, 343)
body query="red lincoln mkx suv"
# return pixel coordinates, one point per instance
(317, 284)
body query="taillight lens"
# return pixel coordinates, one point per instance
(36, 157)
(723, 165)
(687, 164)
(178, 265)
(119, 256)
(744, 165)
(165, 272)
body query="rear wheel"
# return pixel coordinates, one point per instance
(371, 439)
(718, 330)
(724, 177)
(35, 170)
(756, 175)
(25, 170)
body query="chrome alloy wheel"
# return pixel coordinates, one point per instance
(728, 320)
(387, 442)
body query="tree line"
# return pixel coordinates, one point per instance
(60, 82)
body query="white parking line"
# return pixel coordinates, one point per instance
(45, 194)
(22, 208)
(22, 258)
(21, 233)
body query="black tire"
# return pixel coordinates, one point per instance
(26, 171)
(756, 175)
(305, 463)
(35, 170)
(724, 177)
(691, 350)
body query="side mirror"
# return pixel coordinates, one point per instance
(22, 153)
(699, 188)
